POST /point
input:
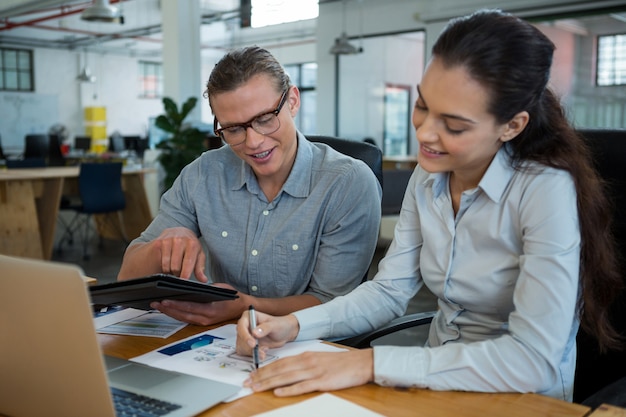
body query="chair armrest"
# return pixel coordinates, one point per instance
(397, 324)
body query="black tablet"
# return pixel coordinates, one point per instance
(140, 292)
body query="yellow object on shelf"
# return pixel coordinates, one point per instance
(95, 114)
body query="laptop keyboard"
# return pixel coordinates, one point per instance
(129, 404)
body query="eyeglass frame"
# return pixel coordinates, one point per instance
(248, 124)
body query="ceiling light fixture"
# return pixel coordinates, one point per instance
(342, 45)
(85, 75)
(102, 11)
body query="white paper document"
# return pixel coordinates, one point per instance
(326, 405)
(211, 355)
(134, 322)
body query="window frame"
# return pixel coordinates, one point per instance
(144, 74)
(618, 56)
(20, 73)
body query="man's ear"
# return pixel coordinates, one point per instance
(293, 100)
(514, 126)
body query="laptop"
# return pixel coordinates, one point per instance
(50, 359)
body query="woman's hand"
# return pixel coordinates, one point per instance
(314, 371)
(271, 332)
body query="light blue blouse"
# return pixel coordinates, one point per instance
(316, 237)
(505, 270)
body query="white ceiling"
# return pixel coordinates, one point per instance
(57, 24)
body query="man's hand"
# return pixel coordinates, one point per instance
(180, 252)
(204, 314)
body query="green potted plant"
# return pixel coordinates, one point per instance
(185, 142)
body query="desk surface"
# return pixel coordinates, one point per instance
(55, 172)
(30, 200)
(386, 401)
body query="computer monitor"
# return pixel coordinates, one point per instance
(36, 146)
(82, 143)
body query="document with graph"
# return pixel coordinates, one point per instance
(211, 355)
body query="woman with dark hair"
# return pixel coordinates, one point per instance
(504, 220)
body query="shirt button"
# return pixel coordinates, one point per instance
(266, 212)
(294, 247)
(254, 288)
(255, 252)
(224, 233)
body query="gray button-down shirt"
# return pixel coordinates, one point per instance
(316, 237)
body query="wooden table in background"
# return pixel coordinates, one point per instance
(387, 401)
(29, 206)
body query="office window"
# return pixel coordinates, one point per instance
(274, 12)
(16, 70)
(611, 63)
(304, 76)
(150, 79)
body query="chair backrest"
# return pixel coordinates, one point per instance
(366, 152)
(395, 181)
(100, 187)
(593, 369)
(36, 146)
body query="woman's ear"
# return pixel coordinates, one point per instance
(515, 126)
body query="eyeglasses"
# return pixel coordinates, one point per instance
(265, 124)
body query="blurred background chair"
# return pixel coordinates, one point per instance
(100, 192)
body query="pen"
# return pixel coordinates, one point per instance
(255, 351)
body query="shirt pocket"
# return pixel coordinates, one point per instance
(293, 261)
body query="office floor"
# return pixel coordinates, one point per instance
(105, 261)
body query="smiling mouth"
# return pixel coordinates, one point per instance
(427, 149)
(261, 155)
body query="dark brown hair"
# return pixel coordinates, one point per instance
(238, 66)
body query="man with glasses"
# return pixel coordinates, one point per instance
(286, 222)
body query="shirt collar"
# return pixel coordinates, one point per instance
(299, 180)
(493, 182)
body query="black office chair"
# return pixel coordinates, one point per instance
(601, 377)
(366, 152)
(100, 191)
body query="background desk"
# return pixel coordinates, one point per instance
(387, 401)
(29, 206)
